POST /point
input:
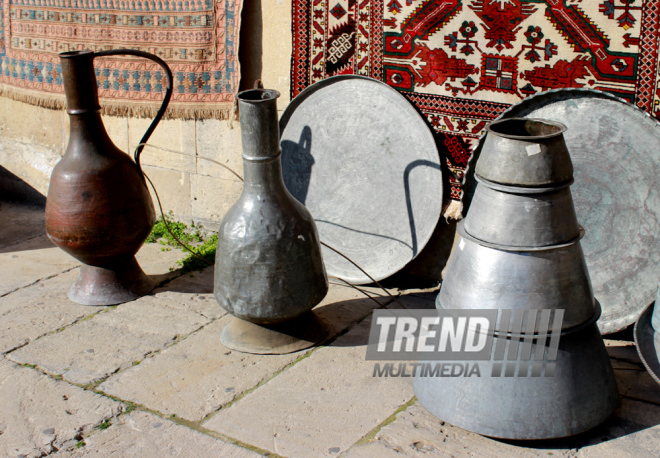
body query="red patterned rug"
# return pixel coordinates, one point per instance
(197, 38)
(463, 62)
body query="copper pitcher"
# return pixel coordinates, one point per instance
(98, 208)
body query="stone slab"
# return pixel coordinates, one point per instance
(20, 223)
(276, 57)
(172, 134)
(114, 339)
(173, 189)
(193, 291)
(31, 261)
(39, 414)
(419, 299)
(200, 375)
(320, 406)
(29, 124)
(219, 141)
(38, 309)
(117, 128)
(195, 377)
(147, 435)
(212, 197)
(158, 263)
(30, 162)
(632, 432)
(415, 432)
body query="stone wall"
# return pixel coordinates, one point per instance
(33, 139)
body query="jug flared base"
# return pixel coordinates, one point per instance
(294, 335)
(116, 284)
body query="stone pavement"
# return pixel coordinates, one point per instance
(150, 378)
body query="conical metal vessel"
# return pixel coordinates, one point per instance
(522, 217)
(525, 152)
(519, 252)
(268, 270)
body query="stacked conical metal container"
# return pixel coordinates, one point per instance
(520, 250)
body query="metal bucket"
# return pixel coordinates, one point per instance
(482, 277)
(580, 395)
(525, 152)
(509, 216)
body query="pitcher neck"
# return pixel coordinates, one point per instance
(79, 80)
(264, 175)
(260, 132)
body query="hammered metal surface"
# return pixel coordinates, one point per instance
(359, 156)
(268, 267)
(615, 149)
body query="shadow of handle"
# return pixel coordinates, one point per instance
(406, 184)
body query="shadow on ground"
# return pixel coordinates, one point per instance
(21, 215)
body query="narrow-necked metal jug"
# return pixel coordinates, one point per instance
(98, 207)
(268, 270)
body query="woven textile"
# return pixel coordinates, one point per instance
(463, 62)
(197, 38)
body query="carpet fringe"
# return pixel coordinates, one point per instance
(119, 109)
(454, 210)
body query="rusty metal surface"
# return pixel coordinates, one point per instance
(98, 207)
(616, 157)
(268, 267)
(365, 163)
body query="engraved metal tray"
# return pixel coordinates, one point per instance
(647, 341)
(360, 157)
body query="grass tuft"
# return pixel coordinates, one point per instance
(187, 235)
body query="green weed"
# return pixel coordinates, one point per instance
(180, 231)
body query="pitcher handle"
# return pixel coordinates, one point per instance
(166, 99)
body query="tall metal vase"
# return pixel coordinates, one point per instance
(268, 272)
(98, 207)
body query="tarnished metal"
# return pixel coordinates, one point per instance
(581, 394)
(479, 277)
(268, 266)
(525, 152)
(518, 220)
(489, 274)
(276, 339)
(647, 339)
(614, 149)
(98, 207)
(366, 165)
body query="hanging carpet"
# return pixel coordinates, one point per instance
(463, 62)
(197, 38)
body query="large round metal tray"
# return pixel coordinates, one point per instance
(647, 340)
(364, 162)
(615, 149)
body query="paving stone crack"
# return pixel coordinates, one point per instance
(307, 354)
(38, 281)
(371, 435)
(194, 425)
